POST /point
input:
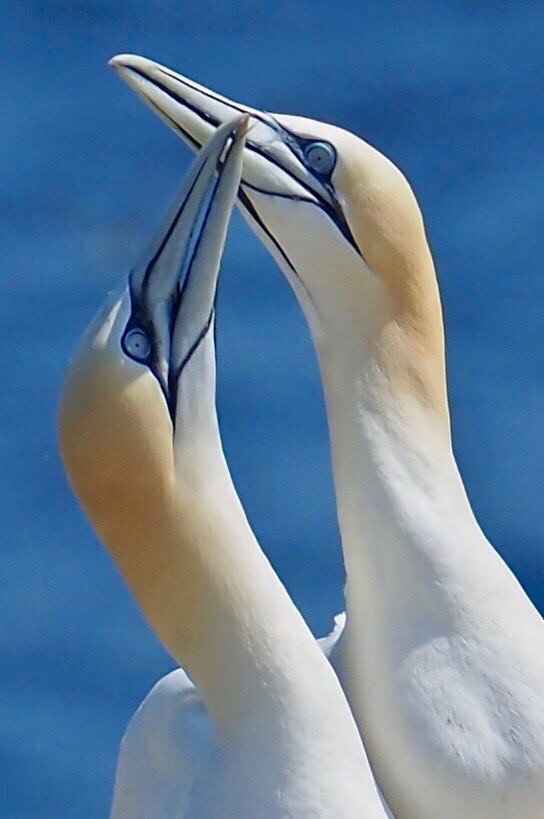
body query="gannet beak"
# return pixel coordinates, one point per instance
(193, 111)
(173, 289)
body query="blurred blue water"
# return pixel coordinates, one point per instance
(452, 92)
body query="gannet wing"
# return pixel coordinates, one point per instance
(165, 746)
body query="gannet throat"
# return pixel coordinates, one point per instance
(441, 657)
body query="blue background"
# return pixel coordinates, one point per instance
(452, 92)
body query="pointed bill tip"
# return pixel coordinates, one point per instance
(243, 125)
(233, 131)
(240, 126)
(121, 61)
(129, 65)
(191, 110)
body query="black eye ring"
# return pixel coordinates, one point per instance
(137, 345)
(320, 157)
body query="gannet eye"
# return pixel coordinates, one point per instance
(136, 344)
(320, 157)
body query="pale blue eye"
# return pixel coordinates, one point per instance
(320, 157)
(137, 344)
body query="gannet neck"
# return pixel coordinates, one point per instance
(174, 526)
(402, 507)
(227, 598)
(438, 656)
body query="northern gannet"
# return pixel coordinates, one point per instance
(141, 445)
(442, 656)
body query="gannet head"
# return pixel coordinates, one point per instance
(340, 219)
(143, 377)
